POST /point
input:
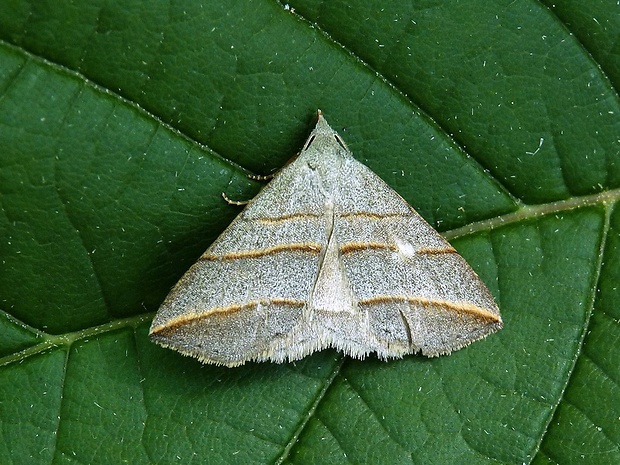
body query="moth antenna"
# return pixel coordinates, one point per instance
(262, 177)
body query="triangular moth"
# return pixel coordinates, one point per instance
(326, 255)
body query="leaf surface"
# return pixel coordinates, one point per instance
(122, 123)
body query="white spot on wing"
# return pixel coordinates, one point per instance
(404, 248)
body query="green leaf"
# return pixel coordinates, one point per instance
(121, 123)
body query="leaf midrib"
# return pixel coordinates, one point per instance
(526, 212)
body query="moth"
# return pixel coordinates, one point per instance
(326, 255)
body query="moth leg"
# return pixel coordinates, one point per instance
(254, 177)
(234, 202)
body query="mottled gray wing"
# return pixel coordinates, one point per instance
(416, 291)
(249, 289)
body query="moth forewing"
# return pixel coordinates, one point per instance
(326, 255)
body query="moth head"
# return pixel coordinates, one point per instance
(323, 130)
